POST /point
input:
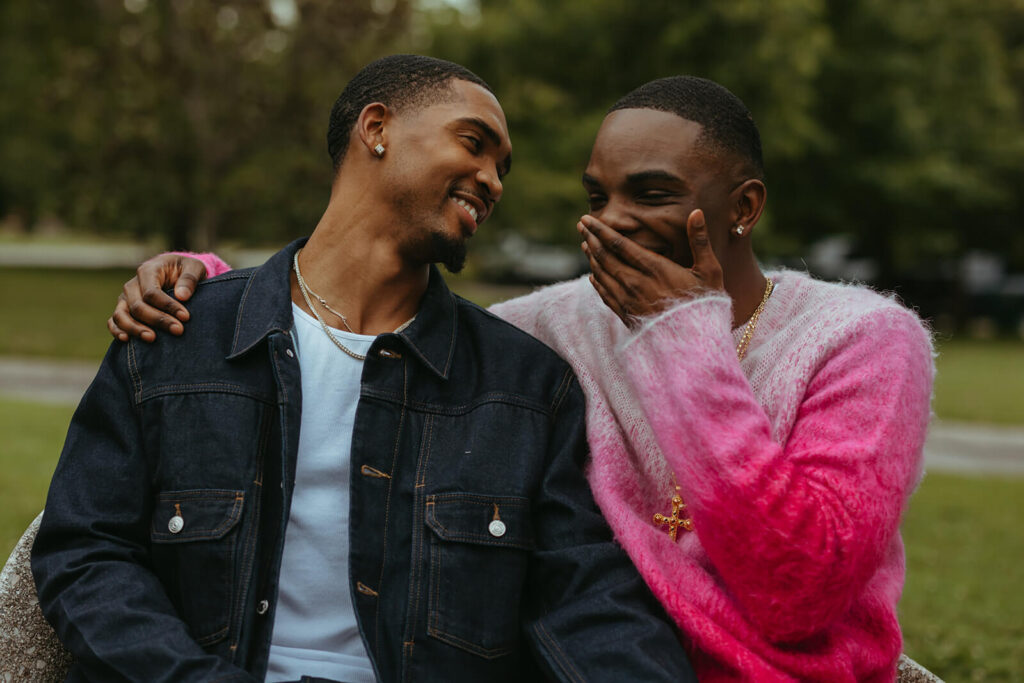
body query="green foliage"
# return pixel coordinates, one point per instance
(897, 123)
(194, 120)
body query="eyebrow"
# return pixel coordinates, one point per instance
(638, 177)
(643, 176)
(493, 136)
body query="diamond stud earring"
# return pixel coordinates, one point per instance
(739, 230)
(379, 149)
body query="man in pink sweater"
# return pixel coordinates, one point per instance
(755, 436)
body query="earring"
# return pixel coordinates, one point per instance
(739, 230)
(379, 150)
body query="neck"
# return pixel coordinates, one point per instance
(745, 284)
(352, 261)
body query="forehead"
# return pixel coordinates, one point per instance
(470, 101)
(632, 140)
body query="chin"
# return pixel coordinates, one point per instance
(448, 251)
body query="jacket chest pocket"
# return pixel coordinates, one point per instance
(194, 545)
(479, 554)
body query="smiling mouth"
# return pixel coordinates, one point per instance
(469, 208)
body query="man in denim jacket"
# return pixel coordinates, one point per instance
(229, 507)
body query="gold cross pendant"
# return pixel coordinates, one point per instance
(677, 520)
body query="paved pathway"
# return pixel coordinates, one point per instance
(952, 446)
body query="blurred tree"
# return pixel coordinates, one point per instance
(924, 144)
(194, 120)
(898, 123)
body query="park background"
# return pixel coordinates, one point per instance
(894, 148)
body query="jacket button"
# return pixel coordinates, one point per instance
(497, 528)
(176, 524)
(262, 607)
(388, 353)
(289, 353)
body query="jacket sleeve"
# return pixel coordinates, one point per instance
(90, 558)
(590, 616)
(793, 529)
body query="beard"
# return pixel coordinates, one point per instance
(448, 251)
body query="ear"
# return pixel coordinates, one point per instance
(748, 203)
(370, 127)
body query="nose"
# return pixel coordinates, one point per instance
(490, 181)
(618, 216)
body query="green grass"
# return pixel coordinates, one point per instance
(963, 607)
(980, 381)
(60, 313)
(962, 611)
(33, 436)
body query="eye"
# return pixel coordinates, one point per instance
(596, 200)
(655, 197)
(475, 143)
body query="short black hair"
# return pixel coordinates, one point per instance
(726, 121)
(397, 81)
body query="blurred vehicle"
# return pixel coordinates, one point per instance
(514, 259)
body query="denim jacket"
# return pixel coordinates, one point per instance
(159, 553)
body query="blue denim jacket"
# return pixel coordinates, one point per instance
(159, 553)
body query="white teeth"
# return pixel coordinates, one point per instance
(467, 206)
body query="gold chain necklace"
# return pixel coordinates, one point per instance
(304, 288)
(678, 519)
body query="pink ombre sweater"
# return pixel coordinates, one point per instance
(796, 465)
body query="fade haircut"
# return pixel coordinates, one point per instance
(726, 122)
(398, 81)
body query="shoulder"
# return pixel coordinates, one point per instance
(832, 314)
(510, 359)
(495, 328)
(538, 310)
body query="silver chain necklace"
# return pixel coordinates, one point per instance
(306, 292)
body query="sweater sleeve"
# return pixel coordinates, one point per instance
(794, 530)
(214, 264)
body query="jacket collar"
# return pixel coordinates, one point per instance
(266, 307)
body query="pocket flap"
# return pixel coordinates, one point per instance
(471, 518)
(195, 515)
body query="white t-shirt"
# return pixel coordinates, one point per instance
(315, 630)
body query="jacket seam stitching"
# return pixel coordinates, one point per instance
(558, 654)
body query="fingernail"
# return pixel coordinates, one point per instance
(180, 292)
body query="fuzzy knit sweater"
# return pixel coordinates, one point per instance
(796, 465)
